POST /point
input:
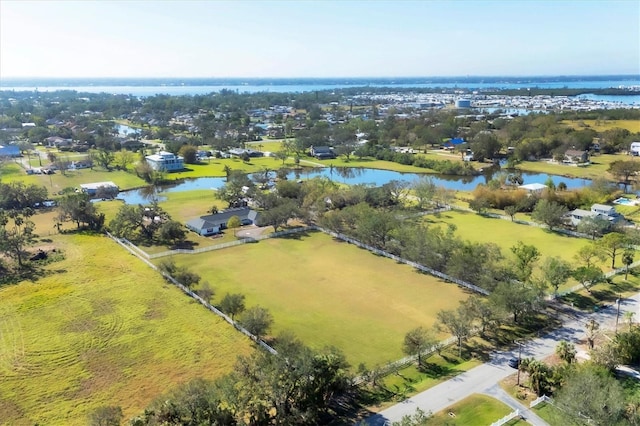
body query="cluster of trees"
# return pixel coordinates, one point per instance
(297, 386)
(149, 224)
(18, 196)
(77, 207)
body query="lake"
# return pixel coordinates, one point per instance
(350, 176)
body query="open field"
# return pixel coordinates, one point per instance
(329, 292)
(597, 169)
(505, 234)
(474, 410)
(103, 330)
(602, 125)
(57, 182)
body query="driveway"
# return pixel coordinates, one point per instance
(484, 378)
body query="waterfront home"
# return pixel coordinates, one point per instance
(100, 189)
(215, 223)
(165, 161)
(572, 156)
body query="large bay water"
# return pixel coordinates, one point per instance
(176, 87)
(350, 176)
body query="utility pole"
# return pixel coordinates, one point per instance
(617, 313)
(519, 360)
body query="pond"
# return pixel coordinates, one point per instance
(351, 176)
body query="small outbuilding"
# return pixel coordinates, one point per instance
(100, 188)
(533, 188)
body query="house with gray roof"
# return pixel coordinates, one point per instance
(215, 223)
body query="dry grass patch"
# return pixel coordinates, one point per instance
(106, 330)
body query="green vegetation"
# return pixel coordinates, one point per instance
(329, 292)
(598, 167)
(473, 410)
(478, 228)
(102, 329)
(603, 125)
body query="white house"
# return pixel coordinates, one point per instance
(215, 223)
(165, 161)
(601, 211)
(634, 149)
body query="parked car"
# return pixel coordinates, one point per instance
(513, 362)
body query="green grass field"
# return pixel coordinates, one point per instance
(504, 233)
(103, 330)
(474, 410)
(329, 292)
(597, 169)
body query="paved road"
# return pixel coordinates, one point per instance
(483, 379)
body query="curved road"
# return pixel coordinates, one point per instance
(484, 378)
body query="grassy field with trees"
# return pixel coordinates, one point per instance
(100, 328)
(329, 293)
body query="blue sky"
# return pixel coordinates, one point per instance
(317, 39)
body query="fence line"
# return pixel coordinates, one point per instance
(543, 398)
(399, 259)
(507, 418)
(227, 244)
(127, 245)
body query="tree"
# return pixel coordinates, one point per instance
(593, 394)
(234, 222)
(555, 272)
(519, 299)
(77, 207)
(257, 321)
(104, 158)
(417, 341)
(206, 291)
(172, 232)
(482, 311)
(457, 322)
(588, 276)
(424, 189)
(232, 304)
(281, 155)
(106, 416)
(627, 260)
(526, 257)
(417, 419)
(550, 213)
(623, 170)
(511, 211)
(591, 328)
(124, 159)
(16, 234)
(189, 154)
(566, 351)
(593, 226)
(540, 376)
(611, 244)
(588, 255)
(279, 215)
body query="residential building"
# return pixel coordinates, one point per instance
(165, 161)
(215, 223)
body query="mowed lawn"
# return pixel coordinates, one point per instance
(599, 164)
(474, 410)
(329, 292)
(104, 329)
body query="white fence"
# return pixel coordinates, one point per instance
(543, 398)
(225, 245)
(507, 418)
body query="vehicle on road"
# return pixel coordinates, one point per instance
(513, 362)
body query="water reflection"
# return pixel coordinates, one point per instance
(354, 176)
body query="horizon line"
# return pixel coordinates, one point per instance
(318, 78)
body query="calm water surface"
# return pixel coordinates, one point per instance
(350, 176)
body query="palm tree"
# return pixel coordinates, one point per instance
(566, 351)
